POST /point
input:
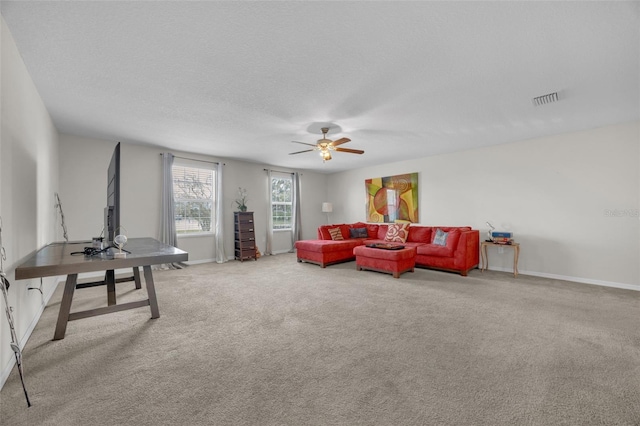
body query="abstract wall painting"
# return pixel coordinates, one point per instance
(392, 199)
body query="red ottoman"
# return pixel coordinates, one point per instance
(394, 262)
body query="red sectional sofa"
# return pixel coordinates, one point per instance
(460, 254)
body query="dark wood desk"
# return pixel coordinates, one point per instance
(56, 259)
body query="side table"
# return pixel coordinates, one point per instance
(485, 258)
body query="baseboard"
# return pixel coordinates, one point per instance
(282, 252)
(196, 262)
(229, 258)
(6, 371)
(580, 280)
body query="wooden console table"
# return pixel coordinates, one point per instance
(485, 258)
(56, 259)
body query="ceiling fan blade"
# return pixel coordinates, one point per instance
(300, 152)
(352, 151)
(304, 143)
(340, 141)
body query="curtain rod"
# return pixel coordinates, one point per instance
(278, 171)
(195, 159)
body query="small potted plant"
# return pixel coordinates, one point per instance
(242, 201)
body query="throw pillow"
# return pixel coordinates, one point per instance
(440, 239)
(397, 232)
(358, 233)
(336, 234)
(372, 230)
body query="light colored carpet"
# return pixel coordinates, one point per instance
(276, 342)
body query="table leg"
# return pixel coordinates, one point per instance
(151, 291)
(65, 307)
(110, 279)
(483, 255)
(516, 255)
(136, 277)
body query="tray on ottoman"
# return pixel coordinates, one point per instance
(385, 246)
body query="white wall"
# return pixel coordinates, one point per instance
(83, 174)
(28, 182)
(571, 200)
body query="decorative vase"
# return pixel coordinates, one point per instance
(242, 208)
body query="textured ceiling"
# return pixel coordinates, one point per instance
(400, 79)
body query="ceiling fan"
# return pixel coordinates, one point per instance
(324, 146)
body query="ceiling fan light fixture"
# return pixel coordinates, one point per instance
(324, 146)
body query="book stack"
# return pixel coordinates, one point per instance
(502, 237)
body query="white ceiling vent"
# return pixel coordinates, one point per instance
(546, 99)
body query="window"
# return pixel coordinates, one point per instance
(281, 202)
(194, 199)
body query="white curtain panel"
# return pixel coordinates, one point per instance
(221, 256)
(168, 223)
(268, 249)
(296, 224)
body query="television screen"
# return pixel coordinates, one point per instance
(112, 210)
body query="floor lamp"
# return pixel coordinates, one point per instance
(327, 208)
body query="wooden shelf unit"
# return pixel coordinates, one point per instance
(245, 236)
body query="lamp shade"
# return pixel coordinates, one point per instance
(327, 207)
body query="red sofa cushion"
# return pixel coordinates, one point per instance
(345, 231)
(453, 238)
(419, 234)
(323, 231)
(452, 228)
(382, 232)
(442, 251)
(434, 250)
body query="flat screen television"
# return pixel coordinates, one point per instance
(112, 210)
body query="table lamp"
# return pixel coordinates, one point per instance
(489, 235)
(327, 208)
(120, 240)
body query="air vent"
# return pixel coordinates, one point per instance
(545, 99)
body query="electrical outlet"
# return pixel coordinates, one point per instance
(500, 250)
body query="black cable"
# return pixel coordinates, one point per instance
(90, 251)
